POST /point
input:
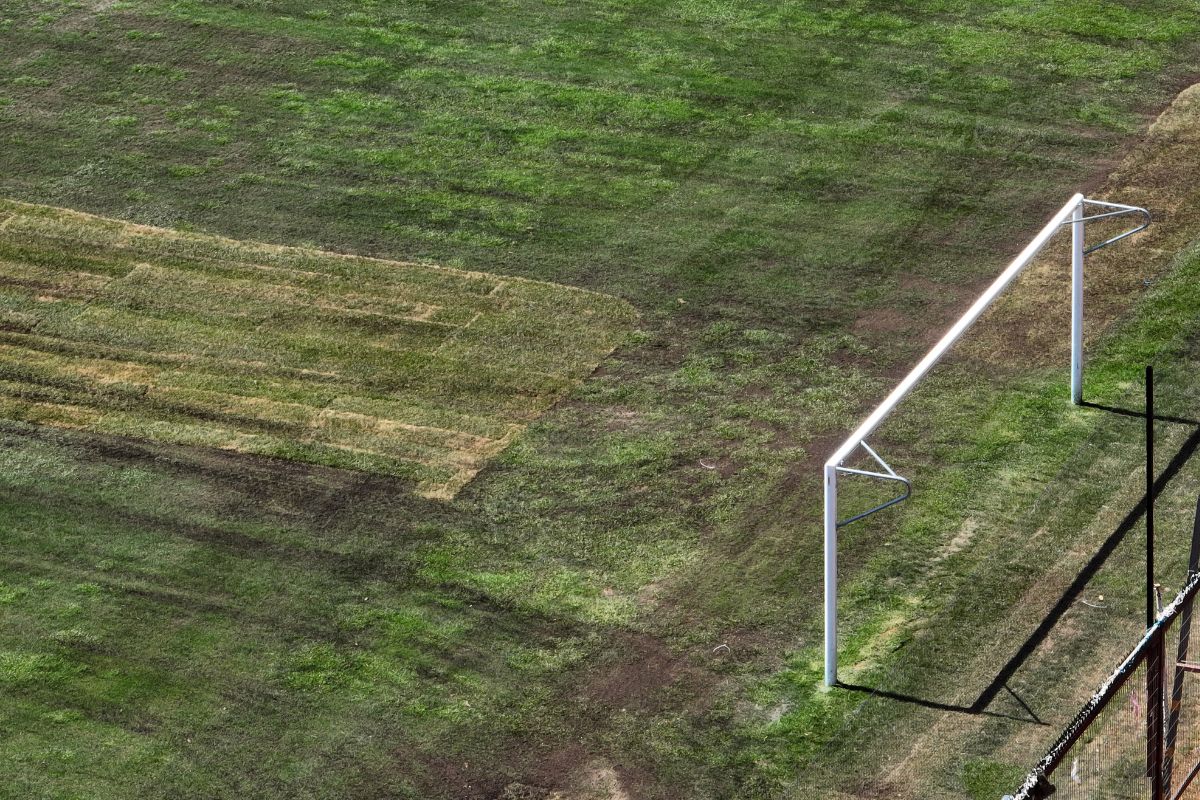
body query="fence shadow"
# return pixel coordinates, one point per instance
(1130, 521)
(1072, 592)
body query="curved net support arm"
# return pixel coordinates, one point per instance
(1120, 210)
(888, 474)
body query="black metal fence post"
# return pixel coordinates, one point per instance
(1156, 658)
(1149, 496)
(1155, 661)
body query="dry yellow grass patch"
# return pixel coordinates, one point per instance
(408, 369)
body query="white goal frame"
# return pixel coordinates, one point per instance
(1074, 213)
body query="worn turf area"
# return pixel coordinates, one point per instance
(795, 196)
(399, 368)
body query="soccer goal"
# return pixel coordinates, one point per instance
(1077, 212)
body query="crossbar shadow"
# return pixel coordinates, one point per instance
(948, 707)
(1127, 412)
(1070, 594)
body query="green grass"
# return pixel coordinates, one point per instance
(403, 369)
(791, 195)
(1039, 486)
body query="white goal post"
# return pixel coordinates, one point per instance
(1074, 213)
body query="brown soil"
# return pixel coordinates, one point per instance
(1029, 324)
(638, 679)
(883, 320)
(877, 789)
(641, 676)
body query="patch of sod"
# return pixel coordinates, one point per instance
(401, 368)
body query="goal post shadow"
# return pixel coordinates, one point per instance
(1128, 523)
(1113, 748)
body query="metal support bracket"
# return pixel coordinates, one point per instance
(888, 474)
(1121, 211)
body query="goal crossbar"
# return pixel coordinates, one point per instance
(1075, 214)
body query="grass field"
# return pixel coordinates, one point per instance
(401, 369)
(794, 197)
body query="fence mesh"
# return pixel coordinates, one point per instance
(1109, 758)
(1139, 734)
(1182, 707)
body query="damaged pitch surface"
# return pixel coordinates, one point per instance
(407, 369)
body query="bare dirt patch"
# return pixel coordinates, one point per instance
(595, 780)
(883, 320)
(1028, 324)
(961, 540)
(637, 679)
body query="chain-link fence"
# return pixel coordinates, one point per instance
(1139, 734)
